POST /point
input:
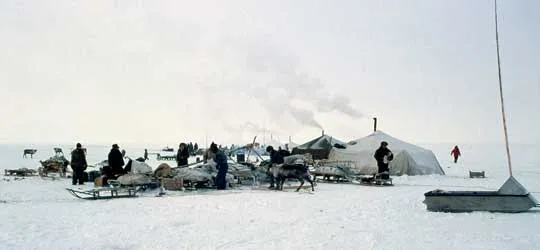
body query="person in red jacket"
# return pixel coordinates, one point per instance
(456, 153)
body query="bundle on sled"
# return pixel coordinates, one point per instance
(56, 164)
(199, 176)
(20, 172)
(305, 159)
(336, 171)
(244, 171)
(135, 174)
(138, 174)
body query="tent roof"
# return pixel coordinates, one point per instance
(408, 158)
(373, 141)
(321, 142)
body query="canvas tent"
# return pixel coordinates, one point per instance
(409, 159)
(319, 147)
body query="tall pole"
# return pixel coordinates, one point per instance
(501, 91)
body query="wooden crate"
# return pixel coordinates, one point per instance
(473, 174)
(173, 184)
(98, 182)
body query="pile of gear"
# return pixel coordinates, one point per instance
(56, 164)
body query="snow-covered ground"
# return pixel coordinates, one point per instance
(40, 214)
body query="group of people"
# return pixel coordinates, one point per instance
(383, 155)
(112, 171)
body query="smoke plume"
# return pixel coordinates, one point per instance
(276, 81)
(280, 78)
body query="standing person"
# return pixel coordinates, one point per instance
(456, 153)
(190, 148)
(383, 155)
(222, 166)
(195, 148)
(116, 161)
(275, 158)
(78, 164)
(145, 154)
(182, 155)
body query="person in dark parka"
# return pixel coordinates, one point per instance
(116, 161)
(78, 164)
(182, 155)
(222, 166)
(383, 155)
(276, 157)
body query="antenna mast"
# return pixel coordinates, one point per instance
(501, 91)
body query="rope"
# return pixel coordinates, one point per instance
(501, 91)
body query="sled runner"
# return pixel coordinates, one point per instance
(104, 193)
(285, 187)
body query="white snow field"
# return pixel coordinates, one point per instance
(39, 213)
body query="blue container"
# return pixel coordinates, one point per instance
(240, 157)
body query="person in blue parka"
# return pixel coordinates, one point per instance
(222, 166)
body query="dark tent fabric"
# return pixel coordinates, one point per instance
(319, 147)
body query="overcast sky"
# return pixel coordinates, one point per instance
(162, 72)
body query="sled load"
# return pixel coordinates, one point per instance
(200, 176)
(20, 172)
(336, 171)
(56, 164)
(137, 174)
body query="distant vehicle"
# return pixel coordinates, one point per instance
(167, 149)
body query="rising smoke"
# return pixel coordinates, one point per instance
(275, 80)
(285, 83)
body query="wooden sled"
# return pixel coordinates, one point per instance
(375, 180)
(104, 193)
(285, 187)
(20, 172)
(165, 157)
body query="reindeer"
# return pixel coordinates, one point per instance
(58, 151)
(297, 171)
(30, 152)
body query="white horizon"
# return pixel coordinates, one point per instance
(172, 71)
